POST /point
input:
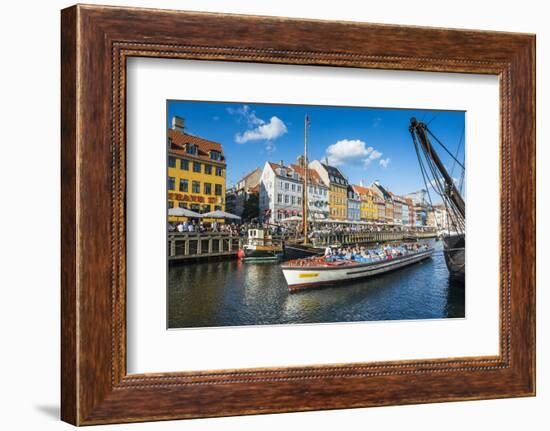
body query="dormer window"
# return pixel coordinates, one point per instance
(192, 149)
(215, 155)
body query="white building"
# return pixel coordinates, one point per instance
(317, 195)
(281, 192)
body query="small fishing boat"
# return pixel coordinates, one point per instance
(318, 271)
(260, 247)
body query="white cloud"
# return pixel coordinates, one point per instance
(245, 113)
(372, 156)
(385, 162)
(351, 151)
(263, 132)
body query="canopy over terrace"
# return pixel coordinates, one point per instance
(183, 212)
(221, 215)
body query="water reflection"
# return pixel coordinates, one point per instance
(229, 293)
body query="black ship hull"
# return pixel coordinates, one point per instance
(454, 252)
(300, 251)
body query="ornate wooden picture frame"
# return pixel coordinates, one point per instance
(96, 42)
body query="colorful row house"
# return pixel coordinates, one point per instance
(338, 188)
(196, 171)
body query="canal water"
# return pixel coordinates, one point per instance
(231, 293)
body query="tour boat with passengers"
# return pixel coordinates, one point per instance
(342, 266)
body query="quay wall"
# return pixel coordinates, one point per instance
(183, 246)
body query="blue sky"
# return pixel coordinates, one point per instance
(365, 143)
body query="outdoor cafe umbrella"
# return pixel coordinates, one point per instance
(221, 214)
(183, 212)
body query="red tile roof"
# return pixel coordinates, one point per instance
(313, 176)
(180, 139)
(362, 190)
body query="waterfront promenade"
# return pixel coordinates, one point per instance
(204, 245)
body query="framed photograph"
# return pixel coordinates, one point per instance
(266, 215)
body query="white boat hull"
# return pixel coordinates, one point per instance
(305, 277)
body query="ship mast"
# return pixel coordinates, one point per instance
(418, 130)
(306, 172)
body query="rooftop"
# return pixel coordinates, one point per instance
(180, 140)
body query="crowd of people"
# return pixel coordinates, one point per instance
(294, 230)
(366, 255)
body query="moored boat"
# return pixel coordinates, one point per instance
(260, 247)
(298, 251)
(318, 271)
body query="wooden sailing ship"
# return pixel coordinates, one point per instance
(435, 175)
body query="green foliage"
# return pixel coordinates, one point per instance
(251, 207)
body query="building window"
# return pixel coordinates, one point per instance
(171, 162)
(184, 185)
(219, 171)
(208, 169)
(293, 187)
(182, 205)
(170, 204)
(207, 188)
(171, 183)
(215, 155)
(287, 186)
(196, 167)
(286, 199)
(206, 208)
(195, 207)
(184, 164)
(217, 208)
(196, 187)
(293, 200)
(192, 149)
(299, 201)
(218, 189)
(299, 188)
(279, 198)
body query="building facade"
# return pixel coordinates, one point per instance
(338, 189)
(354, 205)
(317, 195)
(420, 204)
(368, 210)
(388, 201)
(397, 209)
(281, 192)
(196, 171)
(405, 210)
(410, 210)
(380, 205)
(236, 196)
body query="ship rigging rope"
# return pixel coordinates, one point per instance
(455, 218)
(444, 147)
(457, 150)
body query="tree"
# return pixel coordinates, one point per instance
(251, 207)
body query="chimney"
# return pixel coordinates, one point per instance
(300, 161)
(282, 163)
(178, 124)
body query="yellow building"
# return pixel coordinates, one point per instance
(369, 211)
(196, 172)
(338, 202)
(338, 189)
